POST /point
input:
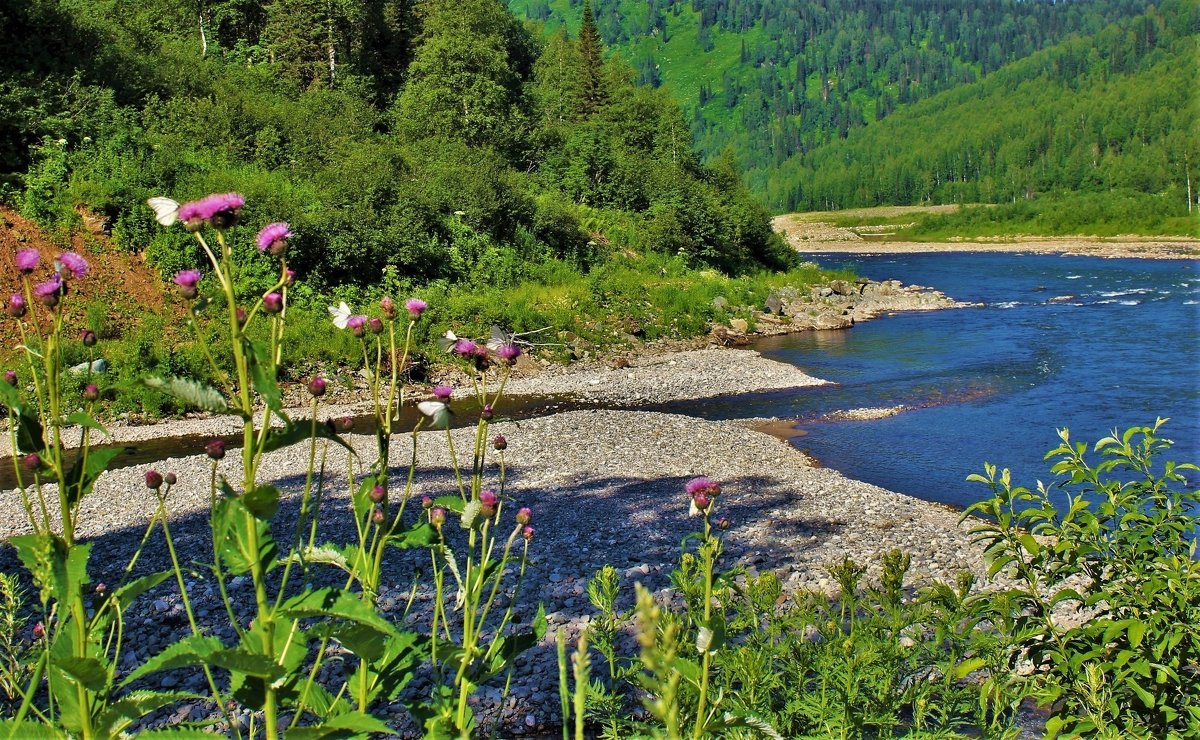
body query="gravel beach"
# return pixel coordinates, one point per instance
(606, 487)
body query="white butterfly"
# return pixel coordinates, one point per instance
(166, 211)
(499, 339)
(340, 315)
(439, 413)
(448, 341)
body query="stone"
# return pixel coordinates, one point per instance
(739, 325)
(773, 303)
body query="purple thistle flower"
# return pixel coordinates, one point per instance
(356, 324)
(10, 377)
(442, 392)
(375, 325)
(415, 307)
(524, 515)
(187, 280)
(377, 493)
(464, 347)
(91, 392)
(16, 305)
(31, 462)
(702, 485)
(273, 238)
(49, 291)
(27, 260)
(488, 497)
(219, 209)
(75, 264)
(508, 353)
(272, 303)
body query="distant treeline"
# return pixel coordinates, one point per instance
(439, 140)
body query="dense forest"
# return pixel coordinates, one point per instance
(432, 141)
(773, 80)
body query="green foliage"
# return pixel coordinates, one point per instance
(1115, 539)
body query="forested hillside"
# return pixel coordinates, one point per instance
(771, 79)
(1112, 112)
(431, 141)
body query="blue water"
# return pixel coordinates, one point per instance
(1084, 343)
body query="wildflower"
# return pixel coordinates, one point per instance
(27, 260)
(49, 291)
(356, 325)
(10, 377)
(215, 449)
(500, 443)
(377, 493)
(273, 238)
(388, 307)
(154, 479)
(316, 386)
(723, 523)
(375, 325)
(186, 280)
(16, 305)
(377, 516)
(699, 504)
(482, 358)
(702, 485)
(39, 630)
(289, 278)
(415, 307)
(91, 392)
(464, 347)
(486, 414)
(437, 516)
(170, 479)
(426, 502)
(74, 264)
(220, 210)
(508, 353)
(442, 392)
(343, 423)
(488, 500)
(524, 515)
(31, 462)
(88, 337)
(101, 587)
(272, 303)
(241, 316)
(527, 532)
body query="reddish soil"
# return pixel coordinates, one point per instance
(119, 280)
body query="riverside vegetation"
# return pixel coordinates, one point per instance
(1098, 623)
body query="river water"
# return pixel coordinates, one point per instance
(1085, 343)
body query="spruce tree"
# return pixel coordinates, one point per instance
(591, 77)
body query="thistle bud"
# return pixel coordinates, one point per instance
(524, 515)
(388, 307)
(500, 443)
(91, 392)
(16, 305)
(154, 479)
(375, 325)
(488, 501)
(241, 316)
(377, 515)
(723, 523)
(39, 630)
(527, 533)
(377, 493)
(215, 449)
(272, 303)
(426, 502)
(437, 516)
(88, 337)
(31, 462)
(486, 414)
(10, 377)
(289, 278)
(316, 386)
(169, 478)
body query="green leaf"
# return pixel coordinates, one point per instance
(1137, 630)
(262, 501)
(192, 393)
(135, 588)
(421, 534)
(132, 707)
(472, 515)
(87, 672)
(246, 662)
(453, 504)
(188, 651)
(291, 433)
(335, 602)
(350, 724)
(339, 556)
(31, 437)
(84, 473)
(81, 419)
(1145, 696)
(28, 729)
(262, 375)
(967, 667)
(231, 525)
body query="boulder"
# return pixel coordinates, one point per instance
(741, 326)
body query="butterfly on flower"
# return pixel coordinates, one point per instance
(166, 211)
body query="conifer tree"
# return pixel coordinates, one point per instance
(591, 51)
